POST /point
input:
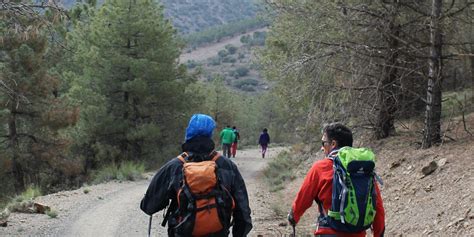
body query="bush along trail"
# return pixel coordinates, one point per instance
(112, 209)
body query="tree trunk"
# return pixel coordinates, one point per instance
(471, 51)
(387, 92)
(17, 169)
(432, 132)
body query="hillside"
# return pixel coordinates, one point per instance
(196, 15)
(233, 59)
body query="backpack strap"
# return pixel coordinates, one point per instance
(321, 208)
(215, 155)
(333, 154)
(183, 157)
(323, 217)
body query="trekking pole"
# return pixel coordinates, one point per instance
(149, 226)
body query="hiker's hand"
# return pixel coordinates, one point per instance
(291, 219)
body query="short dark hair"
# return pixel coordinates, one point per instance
(233, 127)
(340, 133)
(265, 130)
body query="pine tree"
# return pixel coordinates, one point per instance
(31, 109)
(128, 83)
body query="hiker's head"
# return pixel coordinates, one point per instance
(265, 130)
(200, 125)
(234, 127)
(335, 135)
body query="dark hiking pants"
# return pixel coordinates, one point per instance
(226, 150)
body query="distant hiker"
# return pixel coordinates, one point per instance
(227, 138)
(263, 141)
(205, 189)
(344, 186)
(236, 140)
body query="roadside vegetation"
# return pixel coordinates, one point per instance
(52, 213)
(281, 170)
(126, 171)
(20, 203)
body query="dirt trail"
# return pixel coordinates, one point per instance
(112, 209)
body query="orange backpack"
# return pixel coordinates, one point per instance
(204, 205)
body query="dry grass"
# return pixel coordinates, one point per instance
(280, 171)
(125, 171)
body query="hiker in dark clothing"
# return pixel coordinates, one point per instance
(233, 149)
(263, 141)
(168, 184)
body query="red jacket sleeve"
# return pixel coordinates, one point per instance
(305, 197)
(379, 221)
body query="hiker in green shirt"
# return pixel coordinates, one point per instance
(227, 137)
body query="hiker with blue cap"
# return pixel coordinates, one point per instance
(202, 190)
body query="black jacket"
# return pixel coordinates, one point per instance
(166, 183)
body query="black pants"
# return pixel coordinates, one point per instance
(226, 150)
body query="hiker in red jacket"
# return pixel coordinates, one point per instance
(318, 183)
(233, 148)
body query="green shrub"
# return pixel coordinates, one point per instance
(52, 213)
(214, 61)
(280, 171)
(241, 71)
(248, 88)
(4, 214)
(229, 59)
(222, 53)
(18, 205)
(23, 202)
(125, 171)
(246, 83)
(105, 174)
(31, 192)
(231, 49)
(131, 171)
(191, 64)
(245, 39)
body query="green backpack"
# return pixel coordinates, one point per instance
(353, 191)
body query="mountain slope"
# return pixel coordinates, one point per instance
(195, 15)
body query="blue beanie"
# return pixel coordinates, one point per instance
(200, 125)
